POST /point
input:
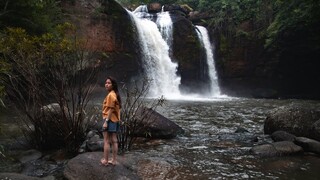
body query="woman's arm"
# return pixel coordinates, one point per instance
(108, 117)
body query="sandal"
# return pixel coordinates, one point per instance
(104, 162)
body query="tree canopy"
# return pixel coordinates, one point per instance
(33, 15)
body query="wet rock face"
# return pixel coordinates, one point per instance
(244, 68)
(113, 34)
(189, 54)
(154, 7)
(110, 37)
(297, 120)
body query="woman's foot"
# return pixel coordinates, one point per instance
(104, 162)
(112, 162)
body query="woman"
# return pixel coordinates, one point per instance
(111, 116)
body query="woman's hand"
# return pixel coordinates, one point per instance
(105, 125)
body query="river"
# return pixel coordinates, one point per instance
(210, 148)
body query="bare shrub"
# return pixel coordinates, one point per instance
(50, 81)
(134, 116)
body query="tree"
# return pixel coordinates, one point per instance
(32, 15)
(49, 81)
(291, 18)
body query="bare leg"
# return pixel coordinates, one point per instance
(114, 141)
(106, 146)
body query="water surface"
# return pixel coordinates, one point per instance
(210, 148)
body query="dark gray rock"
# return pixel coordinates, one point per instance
(15, 176)
(282, 148)
(315, 129)
(265, 150)
(294, 119)
(282, 136)
(156, 126)
(87, 166)
(287, 148)
(95, 144)
(30, 155)
(308, 145)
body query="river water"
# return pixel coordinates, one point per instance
(210, 148)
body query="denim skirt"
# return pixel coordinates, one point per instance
(113, 127)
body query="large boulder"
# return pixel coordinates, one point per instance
(87, 166)
(147, 123)
(294, 119)
(132, 165)
(156, 125)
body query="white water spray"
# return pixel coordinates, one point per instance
(204, 37)
(164, 23)
(157, 63)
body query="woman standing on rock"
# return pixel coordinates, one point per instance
(111, 116)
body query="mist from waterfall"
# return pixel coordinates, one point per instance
(156, 60)
(205, 41)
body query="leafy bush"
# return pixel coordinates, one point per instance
(49, 79)
(32, 15)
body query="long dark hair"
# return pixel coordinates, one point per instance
(115, 88)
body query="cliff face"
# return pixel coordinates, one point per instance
(245, 68)
(189, 54)
(109, 34)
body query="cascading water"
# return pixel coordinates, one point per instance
(155, 38)
(157, 63)
(164, 23)
(204, 37)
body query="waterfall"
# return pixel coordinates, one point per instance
(155, 39)
(156, 60)
(164, 23)
(204, 37)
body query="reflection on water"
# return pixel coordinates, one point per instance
(210, 148)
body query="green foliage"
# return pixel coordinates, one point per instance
(291, 17)
(49, 81)
(133, 3)
(191, 3)
(33, 15)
